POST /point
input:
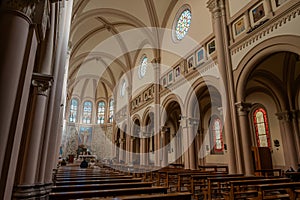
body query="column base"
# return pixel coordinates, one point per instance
(32, 192)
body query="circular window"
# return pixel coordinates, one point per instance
(183, 24)
(143, 67)
(123, 88)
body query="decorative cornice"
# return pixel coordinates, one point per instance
(42, 82)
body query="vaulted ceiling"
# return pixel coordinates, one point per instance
(100, 51)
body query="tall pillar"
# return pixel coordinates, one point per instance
(185, 141)
(30, 167)
(121, 150)
(157, 124)
(192, 135)
(290, 152)
(59, 69)
(217, 9)
(46, 68)
(163, 147)
(243, 110)
(295, 120)
(18, 46)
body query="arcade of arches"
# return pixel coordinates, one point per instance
(190, 82)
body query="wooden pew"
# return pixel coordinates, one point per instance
(217, 185)
(169, 196)
(102, 181)
(295, 176)
(107, 193)
(277, 191)
(185, 180)
(246, 188)
(214, 168)
(199, 182)
(73, 178)
(105, 186)
(269, 172)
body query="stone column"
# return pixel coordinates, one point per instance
(131, 150)
(243, 110)
(121, 150)
(55, 102)
(295, 119)
(185, 141)
(192, 134)
(157, 124)
(29, 185)
(18, 45)
(290, 152)
(216, 7)
(46, 68)
(163, 147)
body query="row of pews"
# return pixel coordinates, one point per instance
(71, 182)
(173, 182)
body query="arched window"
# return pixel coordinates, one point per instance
(101, 112)
(87, 112)
(143, 66)
(111, 111)
(216, 132)
(261, 126)
(73, 110)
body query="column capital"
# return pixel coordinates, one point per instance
(295, 114)
(193, 122)
(156, 60)
(42, 82)
(216, 7)
(38, 11)
(285, 116)
(243, 107)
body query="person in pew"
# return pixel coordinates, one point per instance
(84, 164)
(92, 164)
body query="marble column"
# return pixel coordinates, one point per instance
(243, 111)
(217, 9)
(290, 152)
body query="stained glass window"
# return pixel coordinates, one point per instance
(183, 24)
(143, 67)
(217, 134)
(73, 110)
(111, 110)
(261, 127)
(101, 112)
(87, 112)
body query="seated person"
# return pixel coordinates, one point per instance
(84, 164)
(92, 163)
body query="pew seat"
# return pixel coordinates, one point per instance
(106, 193)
